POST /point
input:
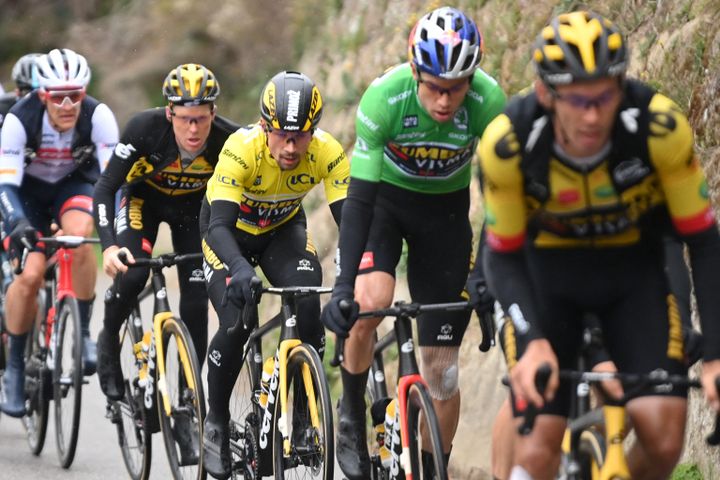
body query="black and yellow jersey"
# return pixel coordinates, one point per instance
(592, 202)
(248, 175)
(148, 158)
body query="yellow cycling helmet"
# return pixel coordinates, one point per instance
(291, 101)
(579, 46)
(190, 84)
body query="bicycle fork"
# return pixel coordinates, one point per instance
(615, 466)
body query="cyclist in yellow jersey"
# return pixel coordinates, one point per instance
(581, 178)
(252, 215)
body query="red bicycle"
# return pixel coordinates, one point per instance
(53, 356)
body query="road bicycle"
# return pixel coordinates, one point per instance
(402, 439)
(53, 355)
(162, 380)
(377, 391)
(593, 455)
(281, 420)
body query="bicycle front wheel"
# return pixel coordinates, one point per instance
(129, 414)
(592, 454)
(309, 420)
(67, 380)
(38, 386)
(182, 425)
(420, 409)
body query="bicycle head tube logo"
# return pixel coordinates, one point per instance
(270, 406)
(162, 293)
(407, 347)
(379, 376)
(291, 322)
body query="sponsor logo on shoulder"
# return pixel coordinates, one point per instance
(410, 121)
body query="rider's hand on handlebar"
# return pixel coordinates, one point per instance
(340, 318)
(112, 265)
(21, 237)
(480, 298)
(710, 371)
(611, 388)
(522, 375)
(240, 290)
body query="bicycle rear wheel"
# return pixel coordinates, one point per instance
(129, 414)
(38, 387)
(67, 380)
(420, 409)
(186, 398)
(312, 443)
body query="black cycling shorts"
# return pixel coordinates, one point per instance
(438, 234)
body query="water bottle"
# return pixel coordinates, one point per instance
(267, 373)
(142, 353)
(378, 413)
(392, 437)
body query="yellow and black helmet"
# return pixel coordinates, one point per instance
(579, 46)
(291, 101)
(190, 84)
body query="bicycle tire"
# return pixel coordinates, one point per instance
(419, 406)
(244, 415)
(317, 459)
(131, 422)
(592, 450)
(37, 386)
(67, 380)
(186, 398)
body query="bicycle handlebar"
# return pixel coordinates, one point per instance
(164, 260)
(656, 378)
(400, 308)
(59, 241)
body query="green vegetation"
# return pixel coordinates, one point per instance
(687, 471)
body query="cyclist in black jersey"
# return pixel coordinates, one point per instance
(253, 216)
(24, 74)
(580, 178)
(55, 141)
(163, 163)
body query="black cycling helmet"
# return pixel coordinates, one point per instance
(24, 72)
(579, 46)
(190, 84)
(291, 101)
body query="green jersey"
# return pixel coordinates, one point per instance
(398, 142)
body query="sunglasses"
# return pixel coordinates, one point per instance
(583, 102)
(439, 91)
(187, 120)
(65, 97)
(286, 135)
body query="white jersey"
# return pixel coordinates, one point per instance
(53, 159)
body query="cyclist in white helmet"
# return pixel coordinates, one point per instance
(55, 141)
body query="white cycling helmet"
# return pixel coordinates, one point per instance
(63, 69)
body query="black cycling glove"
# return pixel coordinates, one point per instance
(480, 298)
(341, 311)
(239, 290)
(22, 236)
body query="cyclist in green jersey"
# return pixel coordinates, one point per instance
(417, 127)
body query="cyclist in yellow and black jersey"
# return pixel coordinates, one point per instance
(580, 179)
(252, 215)
(162, 165)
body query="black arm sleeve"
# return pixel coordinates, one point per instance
(336, 210)
(112, 178)
(357, 214)
(220, 238)
(509, 282)
(704, 251)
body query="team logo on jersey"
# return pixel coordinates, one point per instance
(435, 160)
(140, 168)
(301, 182)
(263, 213)
(410, 121)
(461, 118)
